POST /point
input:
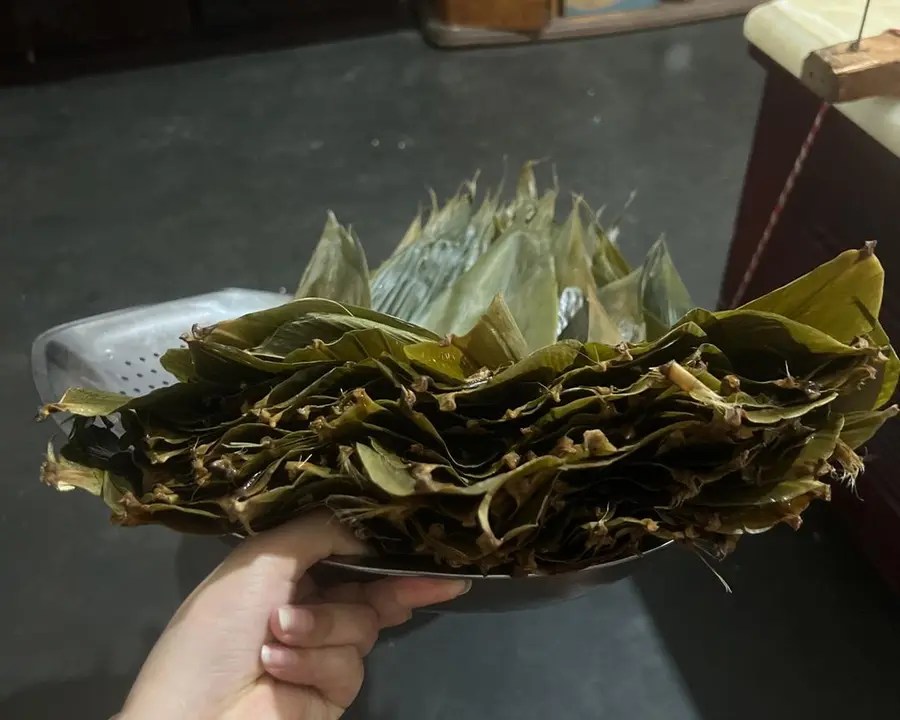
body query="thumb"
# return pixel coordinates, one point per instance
(290, 550)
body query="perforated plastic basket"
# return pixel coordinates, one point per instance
(119, 351)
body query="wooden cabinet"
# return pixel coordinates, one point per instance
(512, 15)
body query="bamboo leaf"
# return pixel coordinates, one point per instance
(449, 244)
(516, 267)
(717, 496)
(179, 362)
(87, 403)
(889, 372)
(860, 427)
(495, 340)
(829, 297)
(607, 262)
(338, 269)
(622, 300)
(388, 472)
(251, 330)
(664, 297)
(573, 270)
(331, 328)
(484, 443)
(445, 361)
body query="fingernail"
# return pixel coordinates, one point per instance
(464, 587)
(273, 656)
(294, 620)
(266, 655)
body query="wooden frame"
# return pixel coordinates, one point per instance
(853, 71)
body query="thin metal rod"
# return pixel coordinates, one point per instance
(854, 46)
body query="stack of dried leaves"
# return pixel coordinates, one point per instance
(559, 281)
(450, 422)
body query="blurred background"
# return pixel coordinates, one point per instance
(155, 150)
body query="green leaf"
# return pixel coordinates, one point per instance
(64, 475)
(387, 471)
(607, 262)
(469, 451)
(889, 371)
(526, 184)
(338, 269)
(495, 340)
(664, 297)
(860, 427)
(330, 328)
(449, 244)
(762, 344)
(622, 300)
(829, 297)
(757, 518)
(87, 403)
(179, 362)
(540, 367)
(517, 267)
(444, 361)
(718, 496)
(573, 270)
(251, 330)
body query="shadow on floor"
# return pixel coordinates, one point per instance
(97, 696)
(101, 694)
(94, 698)
(809, 630)
(361, 710)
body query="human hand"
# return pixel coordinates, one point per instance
(257, 640)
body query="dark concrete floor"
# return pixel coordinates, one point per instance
(149, 185)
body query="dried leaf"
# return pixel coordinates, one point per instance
(573, 270)
(338, 269)
(664, 297)
(622, 300)
(486, 445)
(518, 268)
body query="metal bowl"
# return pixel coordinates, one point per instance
(493, 593)
(489, 593)
(119, 352)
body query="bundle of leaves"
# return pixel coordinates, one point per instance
(488, 414)
(564, 280)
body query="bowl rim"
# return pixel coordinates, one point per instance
(371, 566)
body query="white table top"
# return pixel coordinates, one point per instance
(789, 30)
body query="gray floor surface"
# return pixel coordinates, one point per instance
(149, 185)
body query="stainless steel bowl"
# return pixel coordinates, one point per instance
(494, 593)
(489, 593)
(119, 352)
